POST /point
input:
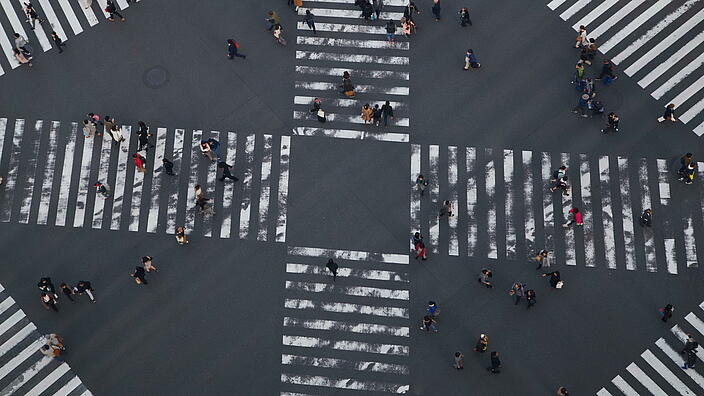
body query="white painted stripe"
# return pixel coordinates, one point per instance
(574, 8)
(6, 304)
(229, 188)
(671, 60)
(88, 12)
(341, 307)
(594, 14)
(415, 194)
(2, 288)
(453, 248)
(27, 375)
(295, 394)
(548, 207)
(71, 16)
(355, 103)
(623, 386)
(663, 181)
(157, 176)
(30, 174)
(344, 28)
(555, 3)
(353, 58)
(642, 40)
(352, 134)
(7, 49)
(120, 181)
(245, 205)
(339, 13)
(359, 291)
(123, 4)
(350, 43)
(47, 381)
(678, 77)
(103, 169)
(16, 360)
(357, 73)
(690, 247)
(189, 205)
(696, 109)
(645, 202)
(695, 322)
(662, 45)
(265, 189)
(395, 3)
(11, 321)
(344, 272)
(668, 375)
(434, 182)
(359, 88)
(508, 209)
(16, 338)
(344, 345)
(670, 256)
(634, 25)
(65, 186)
(343, 383)
(282, 202)
(491, 221)
(210, 189)
(645, 380)
(54, 22)
(172, 208)
(607, 213)
(699, 130)
(3, 128)
(677, 359)
(332, 363)
(391, 258)
(12, 168)
(615, 18)
(335, 325)
(627, 214)
(38, 29)
(528, 213)
(570, 255)
(69, 387)
(103, 4)
(83, 181)
(585, 183)
(86, 393)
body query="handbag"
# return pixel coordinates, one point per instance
(559, 285)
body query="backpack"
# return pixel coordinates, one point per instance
(237, 45)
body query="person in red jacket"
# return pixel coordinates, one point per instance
(574, 216)
(140, 162)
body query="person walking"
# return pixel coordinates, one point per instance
(206, 150)
(168, 167)
(53, 346)
(459, 360)
(669, 114)
(84, 287)
(57, 40)
(541, 258)
(88, 129)
(390, 31)
(108, 123)
(685, 160)
(49, 301)
(202, 203)
(95, 119)
(387, 112)
(612, 121)
(376, 115)
(66, 289)
(347, 86)
(555, 281)
(147, 263)
(579, 76)
(273, 18)
(139, 276)
(446, 209)
(309, 19)
(691, 360)
(278, 35)
(111, 8)
(144, 135)
(55, 340)
(21, 58)
(485, 278)
(226, 172)
(559, 173)
(47, 286)
(407, 26)
(464, 17)
(470, 60)
(561, 184)
(666, 312)
(116, 133)
(32, 16)
(429, 323)
(690, 345)
(646, 218)
(317, 110)
(573, 216)
(530, 298)
(367, 113)
(410, 9)
(140, 162)
(687, 175)
(495, 363)
(562, 391)
(581, 39)
(582, 105)
(378, 7)
(436, 10)
(420, 248)
(517, 291)
(421, 184)
(607, 70)
(181, 237)
(332, 267)
(22, 44)
(232, 47)
(433, 309)
(102, 189)
(482, 344)
(297, 4)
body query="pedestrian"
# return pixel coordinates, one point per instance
(582, 105)
(376, 115)
(669, 113)
(691, 360)
(690, 345)
(459, 363)
(562, 391)
(378, 6)
(57, 40)
(319, 112)
(32, 16)
(495, 363)
(591, 50)
(22, 44)
(390, 31)
(597, 107)
(226, 172)
(367, 10)
(581, 39)
(232, 47)
(666, 312)
(181, 237)
(102, 189)
(309, 19)
(517, 291)
(573, 216)
(436, 10)
(49, 301)
(530, 298)
(278, 35)
(428, 323)
(95, 119)
(387, 112)
(485, 278)
(202, 203)
(408, 26)
(139, 162)
(116, 133)
(482, 344)
(84, 287)
(55, 340)
(51, 351)
(273, 18)
(420, 249)
(589, 88)
(46, 286)
(112, 10)
(139, 276)
(446, 209)
(611, 123)
(421, 184)
(542, 259)
(687, 175)
(215, 147)
(147, 263)
(646, 218)
(168, 167)
(561, 184)
(298, 4)
(433, 309)
(206, 150)
(143, 133)
(470, 60)
(555, 281)
(685, 160)
(332, 266)
(66, 289)
(367, 113)
(607, 70)
(559, 173)
(464, 17)
(21, 58)
(417, 240)
(109, 122)
(410, 9)
(579, 76)
(88, 129)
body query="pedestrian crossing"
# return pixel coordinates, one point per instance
(54, 20)
(657, 42)
(658, 370)
(504, 208)
(24, 370)
(49, 171)
(352, 333)
(344, 42)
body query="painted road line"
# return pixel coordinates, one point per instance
(339, 13)
(573, 9)
(677, 359)
(88, 12)
(18, 359)
(355, 103)
(548, 207)
(615, 18)
(48, 178)
(351, 43)
(30, 173)
(344, 345)
(359, 291)
(555, 3)
(103, 172)
(607, 213)
(357, 73)
(13, 166)
(694, 110)
(359, 88)
(38, 30)
(415, 194)
(228, 193)
(27, 375)
(352, 58)
(682, 336)
(7, 49)
(65, 186)
(695, 322)
(643, 378)
(645, 202)
(347, 308)
(699, 130)
(345, 272)
(508, 209)
(83, 181)
(668, 375)
(71, 17)
(189, 205)
(49, 380)
(6, 304)
(172, 208)
(664, 190)
(529, 215)
(16, 338)
(585, 184)
(265, 189)
(123, 4)
(453, 243)
(490, 179)
(390, 258)
(343, 383)
(344, 28)
(670, 256)
(663, 181)
(137, 189)
(54, 22)
(120, 181)
(332, 363)
(632, 26)
(570, 255)
(282, 201)
(103, 4)
(623, 386)
(69, 387)
(627, 214)
(595, 13)
(210, 189)
(352, 134)
(688, 92)
(658, 71)
(434, 181)
(678, 77)
(11, 321)
(351, 327)
(394, 3)
(157, 176)
(690, 247)
(246, 204)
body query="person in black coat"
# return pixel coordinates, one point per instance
(232, 47)
(226, 172)
(168, 167)
(332, 266)
(386, 112)
(554, 278)
(495, 363)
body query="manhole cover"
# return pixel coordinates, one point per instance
(155, 77)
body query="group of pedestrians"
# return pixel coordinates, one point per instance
(49, 297)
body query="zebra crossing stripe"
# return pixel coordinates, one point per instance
(675, 357)
(84, 179)
(344, 272)
(614, 40)
(360, 88)
(30, 172)
(86, 393)
(229, 188)
(574, 8)
(47, 381)
(548, 207)
(17, 338)
(38, 31)
(307, 100)
(454, 243)
(350, 43)
(344, 28)
(157, 175)
(434, 231)
(648, 235)
(6, 304)
(246, 205)
(645, 380)
(103, 168)
(352, 134)
(324, 362)
(415, 195)
(508, 208)
(396, 3)
(529, 217)
(490, 187)
(663, 181)
(65, 186)
(282, 201)
(688, 93)
(690, 247)
(53, 20)
(88, 12)
(11, 178)
(659, 70)
(695, 322)
(295, 394)
(265, 188)
(354, 119)
(27, 375)
(210, 188)
(71, 17)
(335, 325)
(120, 181)
(670, 256)
(555, 3)
(680, 334)
(339, 13)
(69, 387)
(192, 181)
(594, 14)
(338, 71)
(353, 58)
(347, 308)
(172, 208)
(123, 4)
(345, 345)
(343, 383)
(697, 108)
(623, 386)
(472, 232)
(7, 49)
(11, 321)
(668, 375)
(570, 254)
(678, 77)
(615, 18)
(607, 213)
(359, 291)
(627, 214)
(20, 357)
(586, 196)
(664, 190)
